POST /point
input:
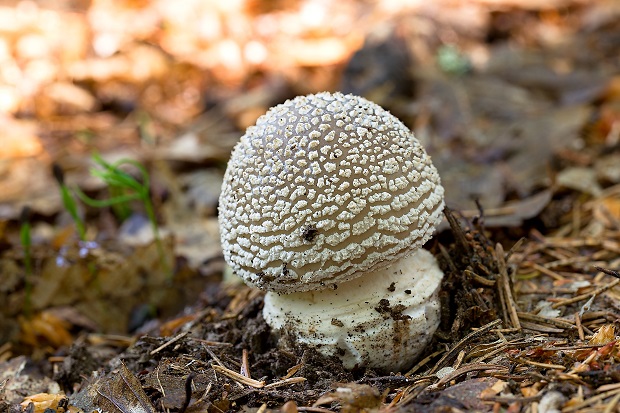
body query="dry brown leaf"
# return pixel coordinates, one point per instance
(43, 401)
(580, 179)
(494, 390)
(604, 335)
(117, 392)
(45, 328)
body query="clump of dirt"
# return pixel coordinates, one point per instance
(394, 312)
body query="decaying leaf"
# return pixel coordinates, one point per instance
(44, 401)
(16, 382)
(604, 335)
(117, 392)
(581, 179)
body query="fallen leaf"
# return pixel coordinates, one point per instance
(44, 401)
(604, 335)
(580, 179)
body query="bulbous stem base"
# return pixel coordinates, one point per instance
(382, 320)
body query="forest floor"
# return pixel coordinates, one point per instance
(125, 306)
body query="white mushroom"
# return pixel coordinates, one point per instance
(326, 200)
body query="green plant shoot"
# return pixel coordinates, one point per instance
(126, 189)
(69, 202)
(26, 241)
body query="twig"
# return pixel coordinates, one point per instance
(480, 279)
(543, 365)
(511, 399)
(546, 271)
(415, 390)
(544, 320)
(393, 380)
(459, 360)
(467, 369)
(613, 273)
(290, 372)
(582, 336)
(205, 394)
(446, 255)
(457, 230)
(590, 401)
(213, 356)
(587, 295)
(506, 287)
(458, 345)
(161, 387)
(313, 409)
(211, 343)
(611, 407)
(169, 342)
(245, 364)
(285, 382)
(540, 328)
(220, 364)
(422, 362)
(502, 301)
(238, 377)
(514, 248)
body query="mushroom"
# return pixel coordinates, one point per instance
(326, 203)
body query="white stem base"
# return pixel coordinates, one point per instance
(382, 320)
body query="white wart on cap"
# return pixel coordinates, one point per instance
(323, 189)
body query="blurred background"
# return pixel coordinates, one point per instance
(481, 82)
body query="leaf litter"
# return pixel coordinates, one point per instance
(516, 101)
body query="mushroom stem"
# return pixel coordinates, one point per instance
(381, 320)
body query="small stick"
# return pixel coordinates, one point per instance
(457, 230)
(458, 345)
(544, 320)
(510, 301)
(213, 356)
(169, 342)
(205, 394)
(285, 382)
(467, 369)
(591, 400)
(502, 302)
(543, 365)
(313, 409)
(422, 362)
(582, 336)
(613, 273)
(587, 295)
(611, 407)
(219, 362)
(459, 360)
(290, 372)
(546, 271)
(245, 364)
(238, 377)
(480, 279)
(514, 248)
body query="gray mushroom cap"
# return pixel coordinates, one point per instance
(322, 189)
